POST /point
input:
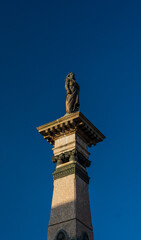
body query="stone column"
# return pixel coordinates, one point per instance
(71, 136)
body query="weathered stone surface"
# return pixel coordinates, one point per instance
(70, 207)
(82, 203)
(68, 226)
(70, 142)
(73, 228)
(64, 191)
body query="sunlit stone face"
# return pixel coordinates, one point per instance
(69, 142)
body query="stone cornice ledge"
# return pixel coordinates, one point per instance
(73, 122)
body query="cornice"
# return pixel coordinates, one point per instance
(68, 124)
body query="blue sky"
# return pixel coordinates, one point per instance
(40, 42)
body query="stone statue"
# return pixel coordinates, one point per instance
(72, 94)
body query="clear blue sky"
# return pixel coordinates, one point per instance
(40, 42)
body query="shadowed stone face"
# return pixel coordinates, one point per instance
(61, 236)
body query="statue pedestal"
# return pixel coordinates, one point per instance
(71, 136)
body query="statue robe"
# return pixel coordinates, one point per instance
(72, 98)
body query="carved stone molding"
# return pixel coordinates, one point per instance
(72, 168)
(69, 156)
(73, 122)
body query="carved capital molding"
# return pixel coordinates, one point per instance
(72, 168)
(69, 156)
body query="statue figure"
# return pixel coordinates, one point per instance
(72, 94)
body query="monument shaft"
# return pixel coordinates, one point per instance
(71, 136)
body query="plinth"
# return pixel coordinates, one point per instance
(71, 136)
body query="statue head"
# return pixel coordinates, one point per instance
(71, 75)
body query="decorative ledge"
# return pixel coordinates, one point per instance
(69, 169)
(68, 124)
(73, 155)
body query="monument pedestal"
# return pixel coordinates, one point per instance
(71, 136)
